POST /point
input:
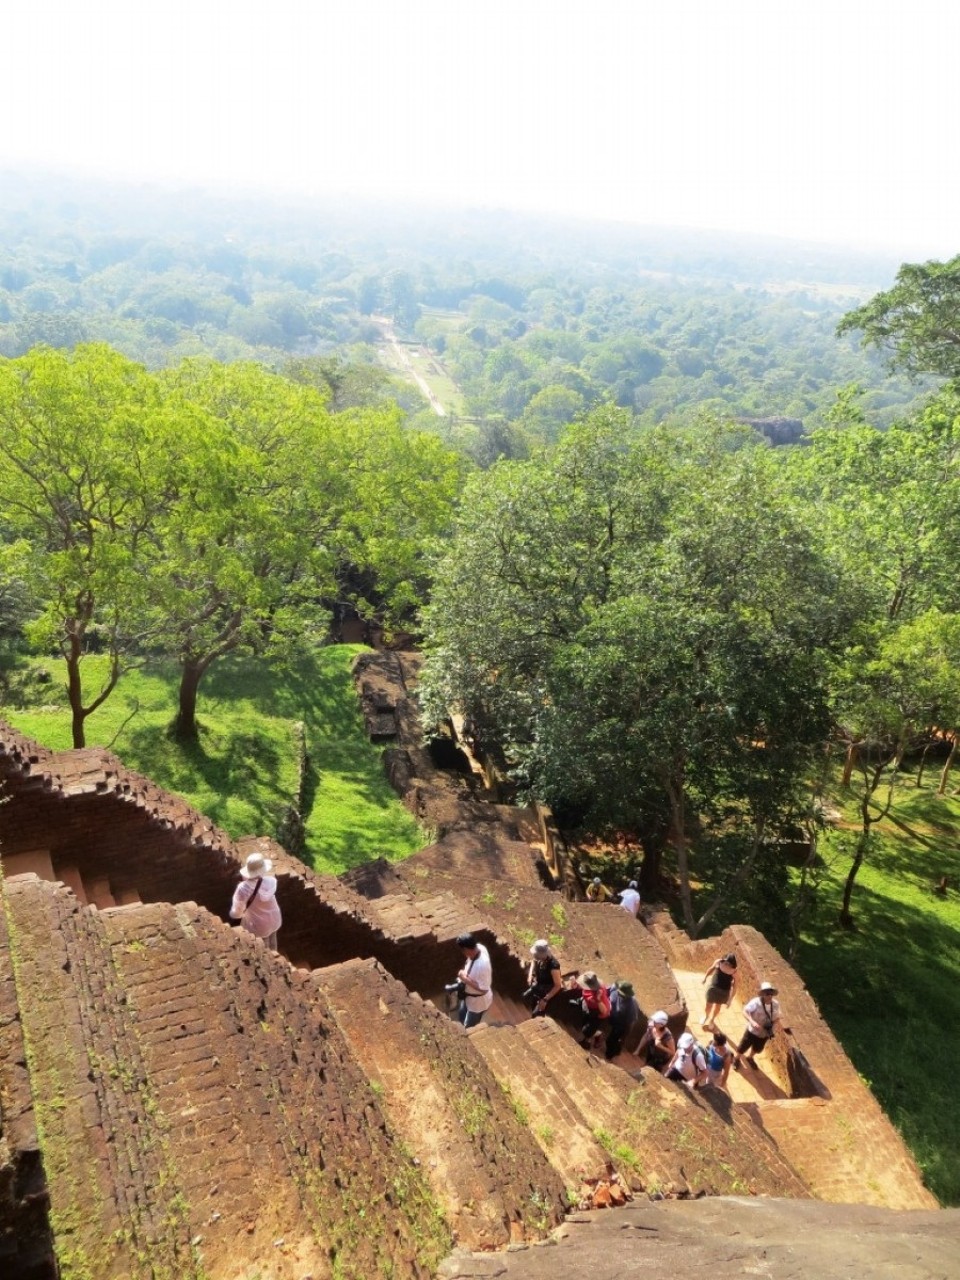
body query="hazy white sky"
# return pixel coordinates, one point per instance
(830, 119)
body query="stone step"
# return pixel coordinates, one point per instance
(564, 1135)
(439, 1094)
(88, 1084)
(35, 861)
(71, 877)
(99, 893)
(659, 1134)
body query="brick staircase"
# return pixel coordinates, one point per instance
(480, 1158)
(195, 1102)
(584, 1111)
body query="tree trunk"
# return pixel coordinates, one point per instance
(678, 838)
(923, 764)
(853, 752)
(650, 870)
(846, 916)
(185, 724)
(942, 788)
(75, 692)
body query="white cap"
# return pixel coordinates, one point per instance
(540, 948)
(686, 1041)
(768, 986)
(660, 1018)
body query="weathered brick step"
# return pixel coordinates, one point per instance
(563, 1133)
(440, 1095)
(301, 1153)
(846, 1156)
(659, 1132)
(147, 1192)
(91, 1112)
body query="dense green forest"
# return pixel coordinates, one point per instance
(694, 644)
(522, 324)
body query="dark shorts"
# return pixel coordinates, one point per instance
(750, 1041)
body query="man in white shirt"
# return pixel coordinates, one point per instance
(477, 977)
(762, 1014)
(630, 898)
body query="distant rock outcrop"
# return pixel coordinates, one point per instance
(777, 430)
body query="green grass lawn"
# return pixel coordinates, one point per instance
(242, 772)
(890, 990)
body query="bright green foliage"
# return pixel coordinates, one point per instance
(85, 449)
(401, 489)
(640, 620)
(259, 489)
(917, 322)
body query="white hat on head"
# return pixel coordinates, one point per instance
(660, 1018)
(768, 986)
(255, 866)
(686, 1041)
(540, 948)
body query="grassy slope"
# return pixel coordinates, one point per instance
(891, 989)
(243, 770)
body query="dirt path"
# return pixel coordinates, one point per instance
(402, 357)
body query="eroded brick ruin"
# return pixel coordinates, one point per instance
(176, 1101)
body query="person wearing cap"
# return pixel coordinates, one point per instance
(762, 1014)
(624, 1012)
(255, 900)
(630, 899)
(543, 978)
(720, 991)
(594, 1000)
(657, 1045)
(476, 978)
(689, 1066)
(597, 891)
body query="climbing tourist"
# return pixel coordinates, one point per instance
(720, 991)
(594, 1001)
(630, 898)
(657, 1045)
(762, 1014)
(719, 1057)
(597, 891)
(474, 980)
(689, 1066)
(543, 978)
(624, 1012)
(255, 900)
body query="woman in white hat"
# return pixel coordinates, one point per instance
(255, 901)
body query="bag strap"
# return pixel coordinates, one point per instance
(254, 894)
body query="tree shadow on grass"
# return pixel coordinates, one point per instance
(240, 766)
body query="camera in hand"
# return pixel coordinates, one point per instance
(459, 987)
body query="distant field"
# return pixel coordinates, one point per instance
(243, 771)
(891, 990)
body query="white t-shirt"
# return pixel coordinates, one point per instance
(481, 975)
(762, 1018)
(630, 901)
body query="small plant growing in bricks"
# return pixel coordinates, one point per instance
(559, 915)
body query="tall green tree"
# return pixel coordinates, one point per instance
(259, 487)
(85, 448)
(640, 620)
